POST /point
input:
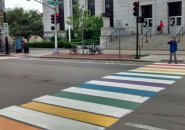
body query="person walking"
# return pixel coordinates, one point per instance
(173, 49)
(161, 26)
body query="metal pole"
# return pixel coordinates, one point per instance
(69, 27)
(119, 44)
(55, 32)
(137, 39)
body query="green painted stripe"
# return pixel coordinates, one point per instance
(99, 100)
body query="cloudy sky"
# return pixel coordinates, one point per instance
(23, 3)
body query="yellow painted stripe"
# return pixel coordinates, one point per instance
(91, 118)
(162, 70)
(165, 67)
(8, 124)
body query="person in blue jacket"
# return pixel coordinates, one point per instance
(173, 49)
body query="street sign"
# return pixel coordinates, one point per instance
(5, 29)
(54, 2)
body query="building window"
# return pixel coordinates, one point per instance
(61, 12)
(109, 11)
(91, 6)
(175, 9)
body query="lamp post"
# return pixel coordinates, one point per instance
(55, 31)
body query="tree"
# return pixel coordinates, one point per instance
(81, 20)
(24, 22)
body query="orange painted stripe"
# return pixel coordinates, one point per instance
(8, 124)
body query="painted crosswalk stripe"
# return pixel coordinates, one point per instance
(84, 106)
(8, 124)
(140, 79)
(124, 85)
(144, 77)
(154, 73)
(162, 69)
(157, 72)
(167, 67)
(136, 82)
(166, 64)
(46, 121)
(99, 100)
(119, 90)
(151, 75)
(82, 116)
(118, 96)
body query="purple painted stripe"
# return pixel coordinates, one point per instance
(136, 82)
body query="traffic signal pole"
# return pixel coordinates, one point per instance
(137, 39)
(55, 31)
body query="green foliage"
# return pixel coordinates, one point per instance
(58, 38)
(67, 34)
(96, 32)
(49, 44)
(24, 23)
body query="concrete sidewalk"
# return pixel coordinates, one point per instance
(146, 55)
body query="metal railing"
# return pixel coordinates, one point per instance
(146, 36)
(112, 36)
(178, 35)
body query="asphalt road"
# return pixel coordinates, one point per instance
(24, 79)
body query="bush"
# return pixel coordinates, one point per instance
(49, 44)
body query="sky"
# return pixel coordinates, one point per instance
(23, 3)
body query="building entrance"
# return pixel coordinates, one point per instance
(175, 17)
(146, 12)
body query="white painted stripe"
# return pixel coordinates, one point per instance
(157, 72)
(125, 97)
(152, 75)
(124, 85)
(160, 66)
(168, 64)
(45, 121)
(4, 58)
(85, 106)
(145, 127)
(140, 79)
(158, 69)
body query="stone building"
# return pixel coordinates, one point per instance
(120, 13)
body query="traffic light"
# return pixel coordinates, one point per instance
(57, 18)
(53, 19)
(136, 8)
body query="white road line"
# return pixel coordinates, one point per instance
(84, 106)
(4, 58)
(45, 121)
(124, 85)
(125, 97)
(140, 79)
(152, 75)
(145, 127)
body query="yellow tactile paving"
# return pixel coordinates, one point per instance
(91, 118)
(8, 124)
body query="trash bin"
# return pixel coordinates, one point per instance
(26, 49)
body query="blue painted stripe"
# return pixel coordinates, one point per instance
(147, 77)
(119, 90)
(132, 71)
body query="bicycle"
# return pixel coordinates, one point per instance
(74, 50)
(95, 49)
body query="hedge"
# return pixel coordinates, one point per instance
(62, 44)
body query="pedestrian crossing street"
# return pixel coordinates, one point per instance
(94, 105)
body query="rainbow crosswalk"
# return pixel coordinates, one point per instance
(94, 105)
